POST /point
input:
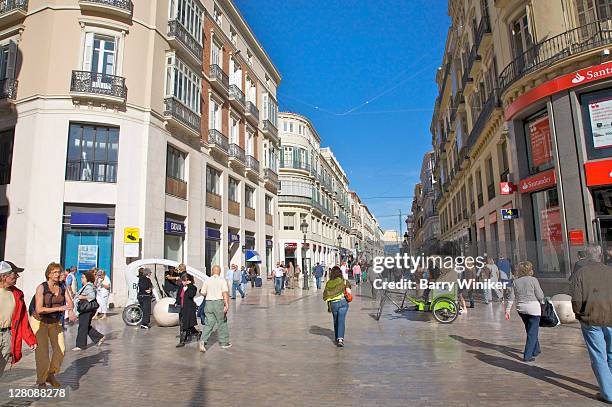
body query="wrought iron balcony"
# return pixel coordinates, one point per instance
(484, 28)
(12, 10)
(8, 89)
(270, 175)
(271, 131)
(98, 86)
(121, 8)
(218, 77)
(490, 105)
(180, 38)
(236, 95)
(216, 139)
(236, 153)
(181, 115)
(252, 164)
(576, 41)
(251, 113)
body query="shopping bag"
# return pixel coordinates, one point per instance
(549, 317)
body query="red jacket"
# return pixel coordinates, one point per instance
(20, 326)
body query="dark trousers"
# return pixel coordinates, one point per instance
(145, 304)
(86, 329)
(200, 313)
(253, 281)
(532, 327)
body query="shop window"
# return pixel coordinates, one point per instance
(539, 143)
(548, 231)
(597, 117)
(92, 153)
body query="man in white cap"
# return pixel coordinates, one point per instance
(14, 324)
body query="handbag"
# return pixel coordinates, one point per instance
(549, 317)
(347, 295)
(85, 306)
(174, 309)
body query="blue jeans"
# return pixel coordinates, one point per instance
(532, 326)
(598, 340)
(339, 309)
(278, 282)
(236, 286)
(318, 278)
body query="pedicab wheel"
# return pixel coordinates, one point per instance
(380, 307)
(132, 315)
(444, 310)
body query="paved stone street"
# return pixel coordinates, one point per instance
(283, 355)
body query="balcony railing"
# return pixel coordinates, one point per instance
(217, 74)
(93, 171)
(181, 113)
(216, 138)
(6, 6)
(298, 165)
(102, 84)
(236, 93)
(483, 117)
(235, 151)
(301, 200)
(269, 127)
(473, 57)
(176, 30)
(270, 175)
(122, 6)
(252, 110)
(581, 39)
(484, 27)
(8, 89)
(252, 163)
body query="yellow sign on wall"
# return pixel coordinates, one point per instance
(131, 235)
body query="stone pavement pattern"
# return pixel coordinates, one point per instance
(283, 355)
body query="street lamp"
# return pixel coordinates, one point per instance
(406, 243)
(339, 239)
(357, 251)
(304, 229)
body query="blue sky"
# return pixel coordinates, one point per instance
(334, 56)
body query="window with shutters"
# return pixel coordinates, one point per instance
(250, 142)
(8, 63)
(289, 221)
(234, 130)
(100, 59)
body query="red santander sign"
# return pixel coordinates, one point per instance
(506, 188)
(562, 83)
(543, 180)
(598, 173)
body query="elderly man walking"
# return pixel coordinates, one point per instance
(216, 293)
(14, 325)
(591, 290)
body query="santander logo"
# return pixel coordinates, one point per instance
(578, 78)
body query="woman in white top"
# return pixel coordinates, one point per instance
(528, 295)
(103, 286)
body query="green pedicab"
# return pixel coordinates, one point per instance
(442, 303)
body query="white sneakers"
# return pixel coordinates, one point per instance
(202, 347)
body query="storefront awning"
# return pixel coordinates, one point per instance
(252, 256)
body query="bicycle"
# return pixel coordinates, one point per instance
(443, 307)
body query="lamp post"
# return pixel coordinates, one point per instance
(304, 229)
(407, 244)
(357, 251)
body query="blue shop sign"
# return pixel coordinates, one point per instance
(174, 228)
(212, 234)
(269, 243)
(234, 237)
(89, 220)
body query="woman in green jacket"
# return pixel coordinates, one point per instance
(337, 304)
